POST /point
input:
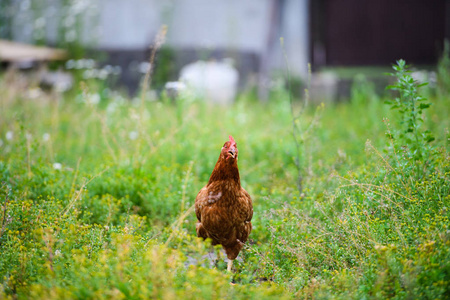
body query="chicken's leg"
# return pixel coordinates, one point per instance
(230, 263)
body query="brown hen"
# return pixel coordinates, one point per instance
(223, 208)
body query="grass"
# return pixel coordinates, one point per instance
(96, 199)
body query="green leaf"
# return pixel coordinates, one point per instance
(429, 139)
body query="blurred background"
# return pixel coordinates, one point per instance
(107, 133)
(238, 40)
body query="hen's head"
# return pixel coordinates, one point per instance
(229, 149)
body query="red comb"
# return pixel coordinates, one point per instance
(232, 140)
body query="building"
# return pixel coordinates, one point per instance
(322, 32)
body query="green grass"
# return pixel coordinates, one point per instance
(116, 220)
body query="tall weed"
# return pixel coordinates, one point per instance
(409, 137)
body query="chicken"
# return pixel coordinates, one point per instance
(224, 209)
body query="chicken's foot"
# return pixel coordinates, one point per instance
(230, 264)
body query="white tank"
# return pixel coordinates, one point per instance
(212, 81)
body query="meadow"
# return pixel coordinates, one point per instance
(351, 199)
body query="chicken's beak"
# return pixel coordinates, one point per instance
(232, 152)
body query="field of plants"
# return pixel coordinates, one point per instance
(351, 199)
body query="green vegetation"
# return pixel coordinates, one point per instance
(96, 196)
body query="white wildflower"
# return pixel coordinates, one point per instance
(34, 93)
(134, 115)
(46, 137)
(79, 64)
(9, 135)
(57, 166)
(93, 99)
(133, 135)
(144, 67)
(102, 74)
(70, 64)
(111, 107)
(88, 74)
(108, 69)
(71, 36)
(58, 252)
(85, 64)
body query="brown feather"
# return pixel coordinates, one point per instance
(224, 209)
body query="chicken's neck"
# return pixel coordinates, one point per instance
(225, 170)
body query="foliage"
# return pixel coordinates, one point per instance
(301, 130)
(411, 105)
(164, 67)
(96, 197)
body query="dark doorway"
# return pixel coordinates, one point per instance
(375, 32)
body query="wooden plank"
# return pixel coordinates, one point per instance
(18, 52)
